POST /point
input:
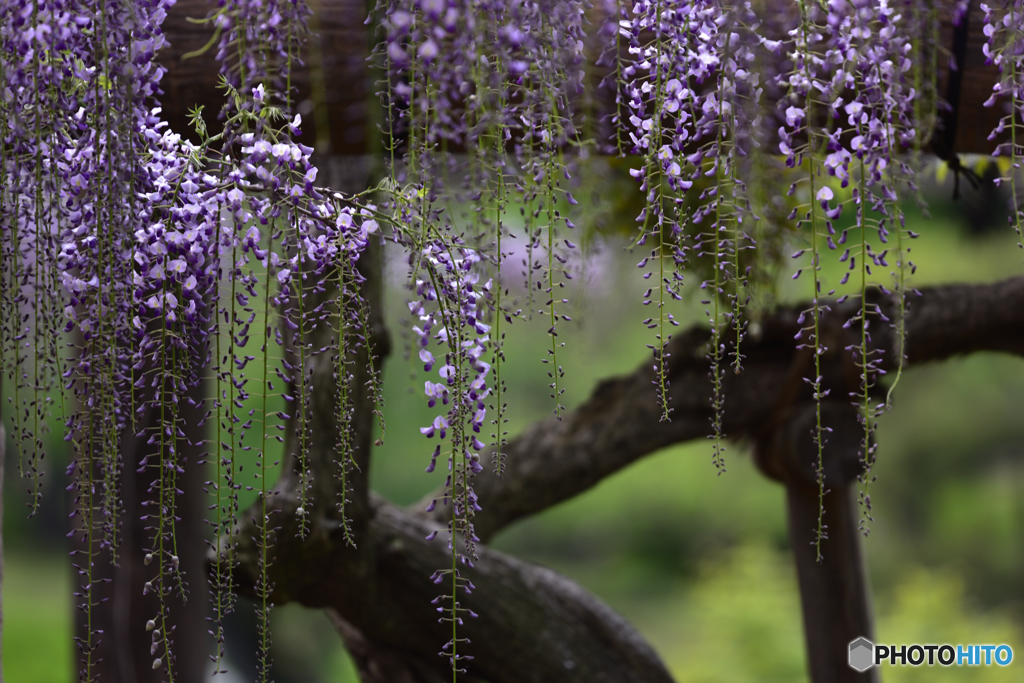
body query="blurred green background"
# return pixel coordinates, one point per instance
(698, 562)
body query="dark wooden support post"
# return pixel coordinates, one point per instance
(833, 591)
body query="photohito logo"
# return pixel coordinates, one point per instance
(864, 654)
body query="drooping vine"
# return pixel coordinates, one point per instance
(802, 112)
(1004, 29)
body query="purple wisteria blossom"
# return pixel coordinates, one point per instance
(1004, 47)
(850, 114)
(156, 259)
(452, 303)
(692, 93)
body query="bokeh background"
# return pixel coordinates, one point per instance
(697, 561)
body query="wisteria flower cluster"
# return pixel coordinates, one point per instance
(692, 94)
(158, 245)
(851, 103)
(498, 81)
(451, 308)
(166, 260)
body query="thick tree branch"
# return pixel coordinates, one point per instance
(533, 625)
(554, 460)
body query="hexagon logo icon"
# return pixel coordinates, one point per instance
(862, 654)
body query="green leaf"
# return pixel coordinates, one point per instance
(195, 119)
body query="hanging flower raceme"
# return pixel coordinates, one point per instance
(277, 231)
(809, 75)
(692, 95)
(285, 239)
(666, 64)
(451, 310)
(451, 306)
(175, 268)
(869, 91)
(88, 124)
(499, 80)
(849, 115)
(43, 75)
(1004, 47)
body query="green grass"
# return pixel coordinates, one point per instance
(37, 645)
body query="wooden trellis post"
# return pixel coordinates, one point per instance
(834, 592)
